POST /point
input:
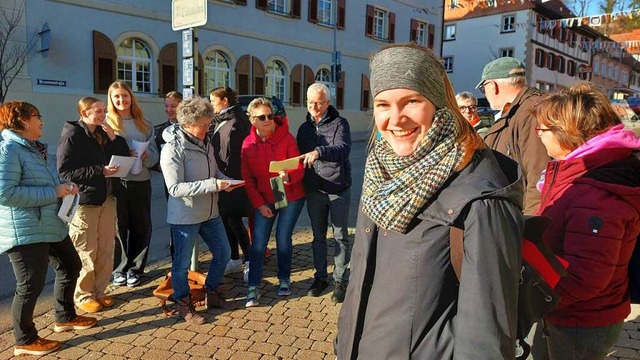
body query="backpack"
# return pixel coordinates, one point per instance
(164, 291)
(539, 274)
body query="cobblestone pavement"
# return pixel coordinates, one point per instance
(295, 327)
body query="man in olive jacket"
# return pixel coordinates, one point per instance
(513, 133)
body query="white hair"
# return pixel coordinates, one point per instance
(321, 88)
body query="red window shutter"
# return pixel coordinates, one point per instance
(342, 13)
(313, 11)
(413, 32)
(392, 27)
(168, 62)
(340, 92)
(365, 93)
(295, 9)
(261, 4)
(201, 85)
(369, 24)
(104, 63)
(296, 85)
(258, 77)
(243, 78)
(309, 78)
(432, 35)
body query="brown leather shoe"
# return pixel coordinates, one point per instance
(106, 301)
(215, 300)
(188, 312)
(79, 323)
(91, 306)
(38, 348)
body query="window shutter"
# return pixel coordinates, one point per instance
(313, 11)
(104, 63)
(296, 85)
(342, 13)
(309, 78)
(413, 31)
(392, 27)
(261, 4)
(258, 77)
(365, 93)
(369, 25)
(340, 92)
(168, 63)
(243, 77)
(201, 85)
(240, 2)
(432, 35)
(295, 9)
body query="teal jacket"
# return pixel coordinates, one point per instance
(28, 202)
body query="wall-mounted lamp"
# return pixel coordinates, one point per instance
(45, 40)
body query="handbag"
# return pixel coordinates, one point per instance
(164, 291)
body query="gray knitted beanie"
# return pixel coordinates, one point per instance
(408, 68)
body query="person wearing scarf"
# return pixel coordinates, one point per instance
(428, 171)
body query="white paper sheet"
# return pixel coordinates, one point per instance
(68, 207)
(140, 148)
(124, 164)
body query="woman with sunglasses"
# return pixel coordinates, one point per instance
(270, 140)
(591, 191)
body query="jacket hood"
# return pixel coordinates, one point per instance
(621, 177)
(331, 115)
(489, 175)
(616, 137)
(175, 136)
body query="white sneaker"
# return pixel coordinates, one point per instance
(233, 266)
(245, 276)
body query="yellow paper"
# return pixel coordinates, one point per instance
(289, 164)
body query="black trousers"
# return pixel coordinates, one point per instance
(134, 227)
(237, 235)
(29, 264)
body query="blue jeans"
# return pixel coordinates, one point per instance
(184, 237)
(287, 218)
(319, 206)
(574, 343)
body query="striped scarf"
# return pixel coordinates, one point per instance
(397, 187)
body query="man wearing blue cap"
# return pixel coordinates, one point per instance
(513, 133)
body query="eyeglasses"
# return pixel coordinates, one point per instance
(470, 108)
(316, 103)
(263, 117)
(481, 87)
(540, 131)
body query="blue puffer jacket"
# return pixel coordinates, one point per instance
(28, 202)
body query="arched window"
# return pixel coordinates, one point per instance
(134, 65)
(324, 76)
(217, 70)
(276, 80)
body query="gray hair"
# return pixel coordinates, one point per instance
(192, 109)
(466, 95)
(257, 102)
(321, 88)
(516, 81)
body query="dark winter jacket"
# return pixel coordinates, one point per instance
(514, 135)
(158, 129)
(256, 156)
(594, 201)
(229, 131)
(404, 301)
(331, 172)
(81, 159)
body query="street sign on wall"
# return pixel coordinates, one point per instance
(188, 13)
(187, 43)
(187, 72)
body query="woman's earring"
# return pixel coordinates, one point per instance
(26, 126)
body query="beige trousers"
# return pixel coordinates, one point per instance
(93, 231)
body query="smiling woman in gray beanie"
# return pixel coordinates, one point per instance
(430, 170)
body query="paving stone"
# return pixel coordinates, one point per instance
(302, 343)
(224, 354)
(245, 355)
(73, 352)
(240, 333)
(309, 355)
(242, 345)
(628, 343)
(260, 336)
(205, 351)
(257, 325)
(625, 353)
(323, 347)
(156, 354)
(221, 342)
(181, 335)
(182, 347)
(117, 349)
(264, 348)
(161, 344)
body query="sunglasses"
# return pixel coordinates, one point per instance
(263, 117)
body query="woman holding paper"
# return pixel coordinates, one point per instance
(194, 182)
(84, 150)
(31, 233)
(269, 140)
(134, 190)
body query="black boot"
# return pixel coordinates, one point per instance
(188, 312)
(317, 287)
(215, 300)
(339, 292)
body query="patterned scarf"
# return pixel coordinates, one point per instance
(397, 187)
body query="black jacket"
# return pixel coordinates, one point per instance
(404, 301)
(331, 173)
(158, 129)
(80, 159)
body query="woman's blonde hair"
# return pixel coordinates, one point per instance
(467, 137)
(576, 114)
(114, 119)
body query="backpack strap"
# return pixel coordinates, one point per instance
(456, 249)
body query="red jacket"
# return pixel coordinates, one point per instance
(256, 156)
(594, 202)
